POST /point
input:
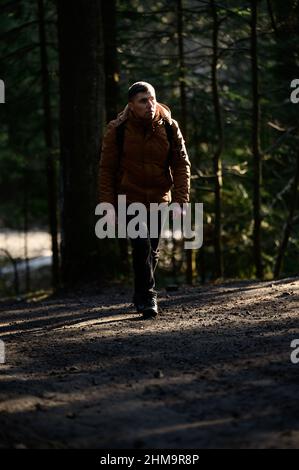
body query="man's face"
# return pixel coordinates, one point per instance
(144, 105)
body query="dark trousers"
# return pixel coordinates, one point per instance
(145, 253)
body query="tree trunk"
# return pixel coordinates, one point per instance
(110, 57)
(48, 135)
(190, 254)
(217, 165)
(81, 121)
(288, 225)
(182, 70)
(26, 227)
(257, 166)
(112, 99)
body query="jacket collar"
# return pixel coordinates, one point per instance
(162, 113)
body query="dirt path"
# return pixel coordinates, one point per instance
(213, 371)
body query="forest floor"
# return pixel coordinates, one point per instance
(84, 370)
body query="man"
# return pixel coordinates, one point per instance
(144, 158)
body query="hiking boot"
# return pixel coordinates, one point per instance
(146, 304)
(150, 306)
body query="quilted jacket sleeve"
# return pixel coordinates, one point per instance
(180, 167)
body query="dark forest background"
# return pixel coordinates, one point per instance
(224, 68)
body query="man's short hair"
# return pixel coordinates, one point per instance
(140, 87)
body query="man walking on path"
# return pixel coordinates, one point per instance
(144, 158)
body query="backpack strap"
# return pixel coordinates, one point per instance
(169, 133)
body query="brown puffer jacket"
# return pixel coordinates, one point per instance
(144, 172)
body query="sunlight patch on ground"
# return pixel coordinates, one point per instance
(38, 243)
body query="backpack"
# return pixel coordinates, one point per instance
(120, 137)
